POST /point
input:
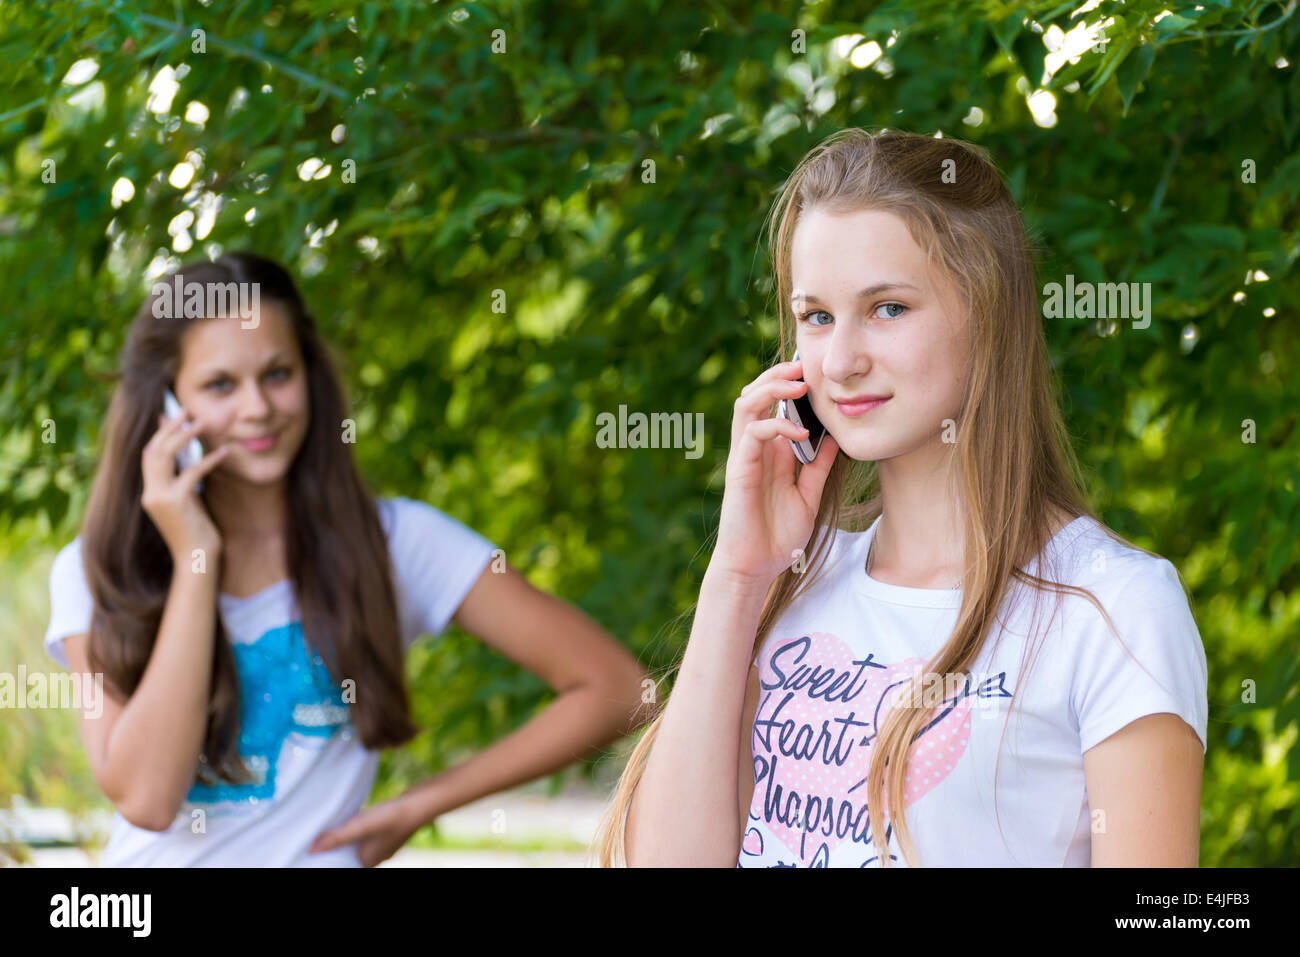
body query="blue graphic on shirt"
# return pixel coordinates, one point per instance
(284, 688)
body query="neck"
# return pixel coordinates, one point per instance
(923, 537)
(244, 510)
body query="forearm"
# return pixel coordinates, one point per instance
(685, 810)
(153, 751)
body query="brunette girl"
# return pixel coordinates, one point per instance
(251, 612)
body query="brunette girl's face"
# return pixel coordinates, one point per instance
(873, 320)
(247, 387)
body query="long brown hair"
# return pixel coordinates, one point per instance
(1015, 465)
(336, 550)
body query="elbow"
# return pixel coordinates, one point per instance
(147, 812)
(634, 690)
(146, 817)
(140, 801)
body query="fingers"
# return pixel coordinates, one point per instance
(190, 476)
(324, 842)
(766, 429)
(158, 461)
(784, 371)
(757, 398)
(761, 431)
(171, 437)
(175, 440)
(168, 429)
(155, 466)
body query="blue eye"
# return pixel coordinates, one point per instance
(216, 384)
(886, 305)
(278, 374)
(816, 312)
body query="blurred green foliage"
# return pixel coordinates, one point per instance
(521, 172)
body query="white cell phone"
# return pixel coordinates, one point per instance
(193, 450)
(800, 412)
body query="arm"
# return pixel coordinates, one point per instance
(597, 681)
(143, 753)
(689, 806)
(685, 808)
(1146, 779)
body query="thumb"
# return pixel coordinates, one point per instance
(812, 477)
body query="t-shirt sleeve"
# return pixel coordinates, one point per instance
(1155, 623)
(436, 561)
(71, 605)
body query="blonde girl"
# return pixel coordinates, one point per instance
(872, 678)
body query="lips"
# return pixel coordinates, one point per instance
(261, 443)
(861, 405)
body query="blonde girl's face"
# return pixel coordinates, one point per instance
(248, 387)
(872, 319)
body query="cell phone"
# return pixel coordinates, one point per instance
(193, 450)
(800, 412)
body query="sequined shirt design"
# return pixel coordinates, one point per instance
(285, 691)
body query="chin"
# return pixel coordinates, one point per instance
(863, 448)
(259, 473)
(859, 449)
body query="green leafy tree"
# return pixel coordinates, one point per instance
(510, 218)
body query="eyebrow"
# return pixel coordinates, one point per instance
(275, 360)
(873, 290)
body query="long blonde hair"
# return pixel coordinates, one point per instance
(1015, 464)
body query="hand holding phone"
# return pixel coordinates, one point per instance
(768, 511)
(192, 453)
(800, 412)
(167, 496)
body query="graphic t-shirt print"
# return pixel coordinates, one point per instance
(820, 708)
(286, 694)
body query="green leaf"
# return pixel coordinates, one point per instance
(1006, 30)
(1219, 237)
(1112, 58)
(1173, 23)
(1133, 71)
(1030, 53)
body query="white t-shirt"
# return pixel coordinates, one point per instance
(295, 735)
(834, 657)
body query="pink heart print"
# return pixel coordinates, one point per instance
(820, 708)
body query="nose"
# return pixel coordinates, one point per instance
(254, 404)
(846, 356)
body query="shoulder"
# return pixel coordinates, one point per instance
(406, 521)
(71, 604)
(68, 559)
(1087, 555)
(67, 574)
(436, 560)
(427, 538)
(1145, 654)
